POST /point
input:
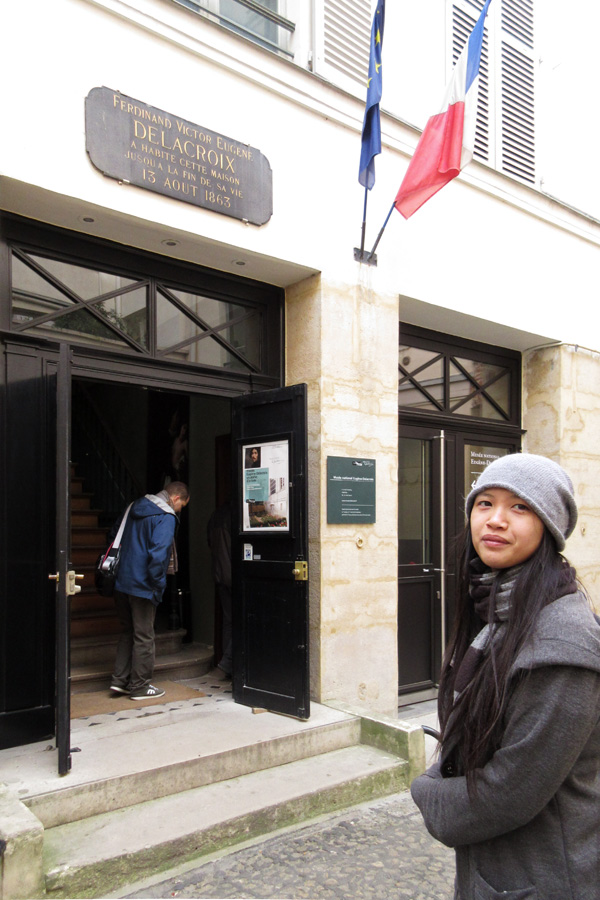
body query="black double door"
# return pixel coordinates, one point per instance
(271, 620)
(437, 467)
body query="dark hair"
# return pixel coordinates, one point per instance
(178, 489)
(474, 730)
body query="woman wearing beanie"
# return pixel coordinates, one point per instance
(516, 790)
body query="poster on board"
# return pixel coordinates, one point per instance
(265, 480)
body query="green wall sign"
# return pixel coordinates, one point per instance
(350, 491)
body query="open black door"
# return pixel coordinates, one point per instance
(269, 548)
(64, 576)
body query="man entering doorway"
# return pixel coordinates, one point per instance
(147, 553)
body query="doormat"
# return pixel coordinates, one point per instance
(97, 703)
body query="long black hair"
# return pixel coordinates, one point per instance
(471, 728)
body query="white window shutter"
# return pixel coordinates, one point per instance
(342, 42)
(505, 136)
(518, 90)
(463, 22)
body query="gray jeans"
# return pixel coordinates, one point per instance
(134, 663)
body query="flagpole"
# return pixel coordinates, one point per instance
(364, 224)
(370, 145)
(360, 254)
(379, 236)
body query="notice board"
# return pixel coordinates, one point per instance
(350, 491)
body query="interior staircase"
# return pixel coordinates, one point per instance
(91, 614)
(94, 623)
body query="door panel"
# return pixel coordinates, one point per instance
(437, 468)
(270, 622)
(416, 613)
(26, 596)
(420, 558)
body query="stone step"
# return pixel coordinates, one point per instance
(121, 765)
(101, 648)
(87, 858)
(155, 783)
(92, 668)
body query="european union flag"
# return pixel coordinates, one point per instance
(371, 133)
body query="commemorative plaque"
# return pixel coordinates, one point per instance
(156, 150)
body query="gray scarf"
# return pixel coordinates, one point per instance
(495, 584)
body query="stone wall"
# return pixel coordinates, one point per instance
(561, 413)
(343, 342)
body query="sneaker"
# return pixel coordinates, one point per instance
(118, 690)
(146, 693)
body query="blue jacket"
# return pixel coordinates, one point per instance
(146, 549)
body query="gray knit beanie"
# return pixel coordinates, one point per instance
(541, 483)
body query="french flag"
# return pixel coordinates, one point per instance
(448, 140)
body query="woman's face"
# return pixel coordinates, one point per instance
(504, 530)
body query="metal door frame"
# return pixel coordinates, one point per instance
(63, 554)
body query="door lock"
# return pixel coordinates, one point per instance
(300, 570)
(72, 588)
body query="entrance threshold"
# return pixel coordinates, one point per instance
(416, 697)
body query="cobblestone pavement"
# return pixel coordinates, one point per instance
(377, 851)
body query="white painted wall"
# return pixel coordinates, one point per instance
(486, 246)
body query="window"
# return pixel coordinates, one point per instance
(261, 21)
(149, 316)
(505, 136)
(451, 379)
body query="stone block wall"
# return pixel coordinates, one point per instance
(343, 342)
(561, 412)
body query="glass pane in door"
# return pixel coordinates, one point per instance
(414, 502)
(477, 458)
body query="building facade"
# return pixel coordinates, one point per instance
(180, 214)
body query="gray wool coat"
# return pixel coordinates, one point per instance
(532, 832)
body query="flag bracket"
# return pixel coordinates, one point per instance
(365, 256)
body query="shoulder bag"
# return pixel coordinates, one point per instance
(107, 563)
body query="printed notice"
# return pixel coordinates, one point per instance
(350, 490)
(478, 458)
(266, 486)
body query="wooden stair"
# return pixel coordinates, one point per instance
(95, 625)
(91, 614)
